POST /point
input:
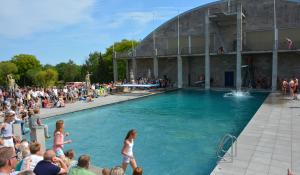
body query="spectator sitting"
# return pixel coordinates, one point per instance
(25, 152)
(69, 158)
(34, 158)
(105, 171)
(117, 171)
(138, 171)
(8, 160)
(35, 122)
(82, 166)
(48, 167)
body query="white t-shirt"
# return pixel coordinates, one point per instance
(34, 160)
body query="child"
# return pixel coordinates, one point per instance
(127, 150)
(105, 171)
(58, 142)
(35, 122)
(69, 160)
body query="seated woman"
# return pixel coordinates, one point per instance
(61, 101)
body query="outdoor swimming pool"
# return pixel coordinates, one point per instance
(178, 131)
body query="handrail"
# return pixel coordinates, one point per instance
(222, 154)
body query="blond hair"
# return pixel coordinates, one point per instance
(59, 126)
(34, 147)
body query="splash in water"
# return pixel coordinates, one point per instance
(237, 94)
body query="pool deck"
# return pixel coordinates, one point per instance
(270, 143)
(101, 101)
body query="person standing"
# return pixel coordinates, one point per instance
(58, 142)
(6, 129)
(127, 150)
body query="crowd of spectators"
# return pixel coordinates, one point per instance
(26, 156)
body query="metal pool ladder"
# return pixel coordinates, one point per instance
(227, 155)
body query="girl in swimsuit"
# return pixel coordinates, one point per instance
(127, 150)
(58, 142)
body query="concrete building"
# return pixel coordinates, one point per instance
(232, 43)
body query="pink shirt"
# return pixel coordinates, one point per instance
(58, 142)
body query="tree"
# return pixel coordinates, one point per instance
(96, 66)
(43, 78)
(6, 68)
(24, 63)
(69, 72)
(122, 46)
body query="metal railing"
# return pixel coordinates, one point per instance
(223, 154)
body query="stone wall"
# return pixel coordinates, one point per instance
(168, 67)
(218, 66)
(257, 27)
(288, 65)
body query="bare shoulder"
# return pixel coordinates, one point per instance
(127, 142)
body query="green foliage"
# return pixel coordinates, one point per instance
(98, 67)
(122, 46)
(28, 71)
(24, 63)
(7, 67)
(43, 78)
(69, 72)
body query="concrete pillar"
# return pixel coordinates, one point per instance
(207, 57)
(179, 71)
(115, 69)
(275, 52)
(274, 70)
(133, 70)
(190, 44)
(37, 134)
(239, 47)
(17, 130)
(155, 67)
(127, 70)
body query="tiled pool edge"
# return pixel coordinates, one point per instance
(269, 144)
(45, 113)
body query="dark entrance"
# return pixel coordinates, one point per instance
(229, 79)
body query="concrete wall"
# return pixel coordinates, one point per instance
(288, 65)
(143, 67)
(262, 68)
(197, 68)
(168, 67)
(257, 27)
(218, 66)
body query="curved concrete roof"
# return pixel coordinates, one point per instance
(259, 17)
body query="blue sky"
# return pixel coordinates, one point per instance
(58, 30)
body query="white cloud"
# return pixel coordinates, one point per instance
(140, 18)
(19, 18)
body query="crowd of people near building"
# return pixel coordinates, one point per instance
(161, 83)
(290, 86)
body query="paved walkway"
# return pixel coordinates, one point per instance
(101, 101)
(270, 143)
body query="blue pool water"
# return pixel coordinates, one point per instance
(178, 131)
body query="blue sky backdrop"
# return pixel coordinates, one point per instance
(59, 30)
